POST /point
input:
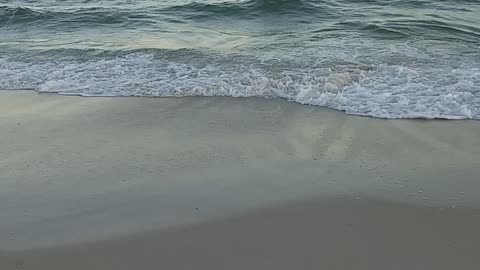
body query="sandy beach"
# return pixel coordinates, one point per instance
(224, 183)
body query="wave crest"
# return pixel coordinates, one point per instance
(89, 17)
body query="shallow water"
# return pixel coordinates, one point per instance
(390, 59)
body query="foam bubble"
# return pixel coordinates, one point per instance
(383, 90)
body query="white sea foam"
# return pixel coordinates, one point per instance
(383, 90)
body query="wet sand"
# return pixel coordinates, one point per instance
(222, 183)
(318, 234)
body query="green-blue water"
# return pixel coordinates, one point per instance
(383, 58)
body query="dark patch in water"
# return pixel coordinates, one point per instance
(248, 9)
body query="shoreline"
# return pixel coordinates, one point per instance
(280, 99)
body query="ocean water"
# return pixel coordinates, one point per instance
(380, 58)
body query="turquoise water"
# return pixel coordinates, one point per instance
(389, 59)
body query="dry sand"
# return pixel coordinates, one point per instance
(221, 183)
